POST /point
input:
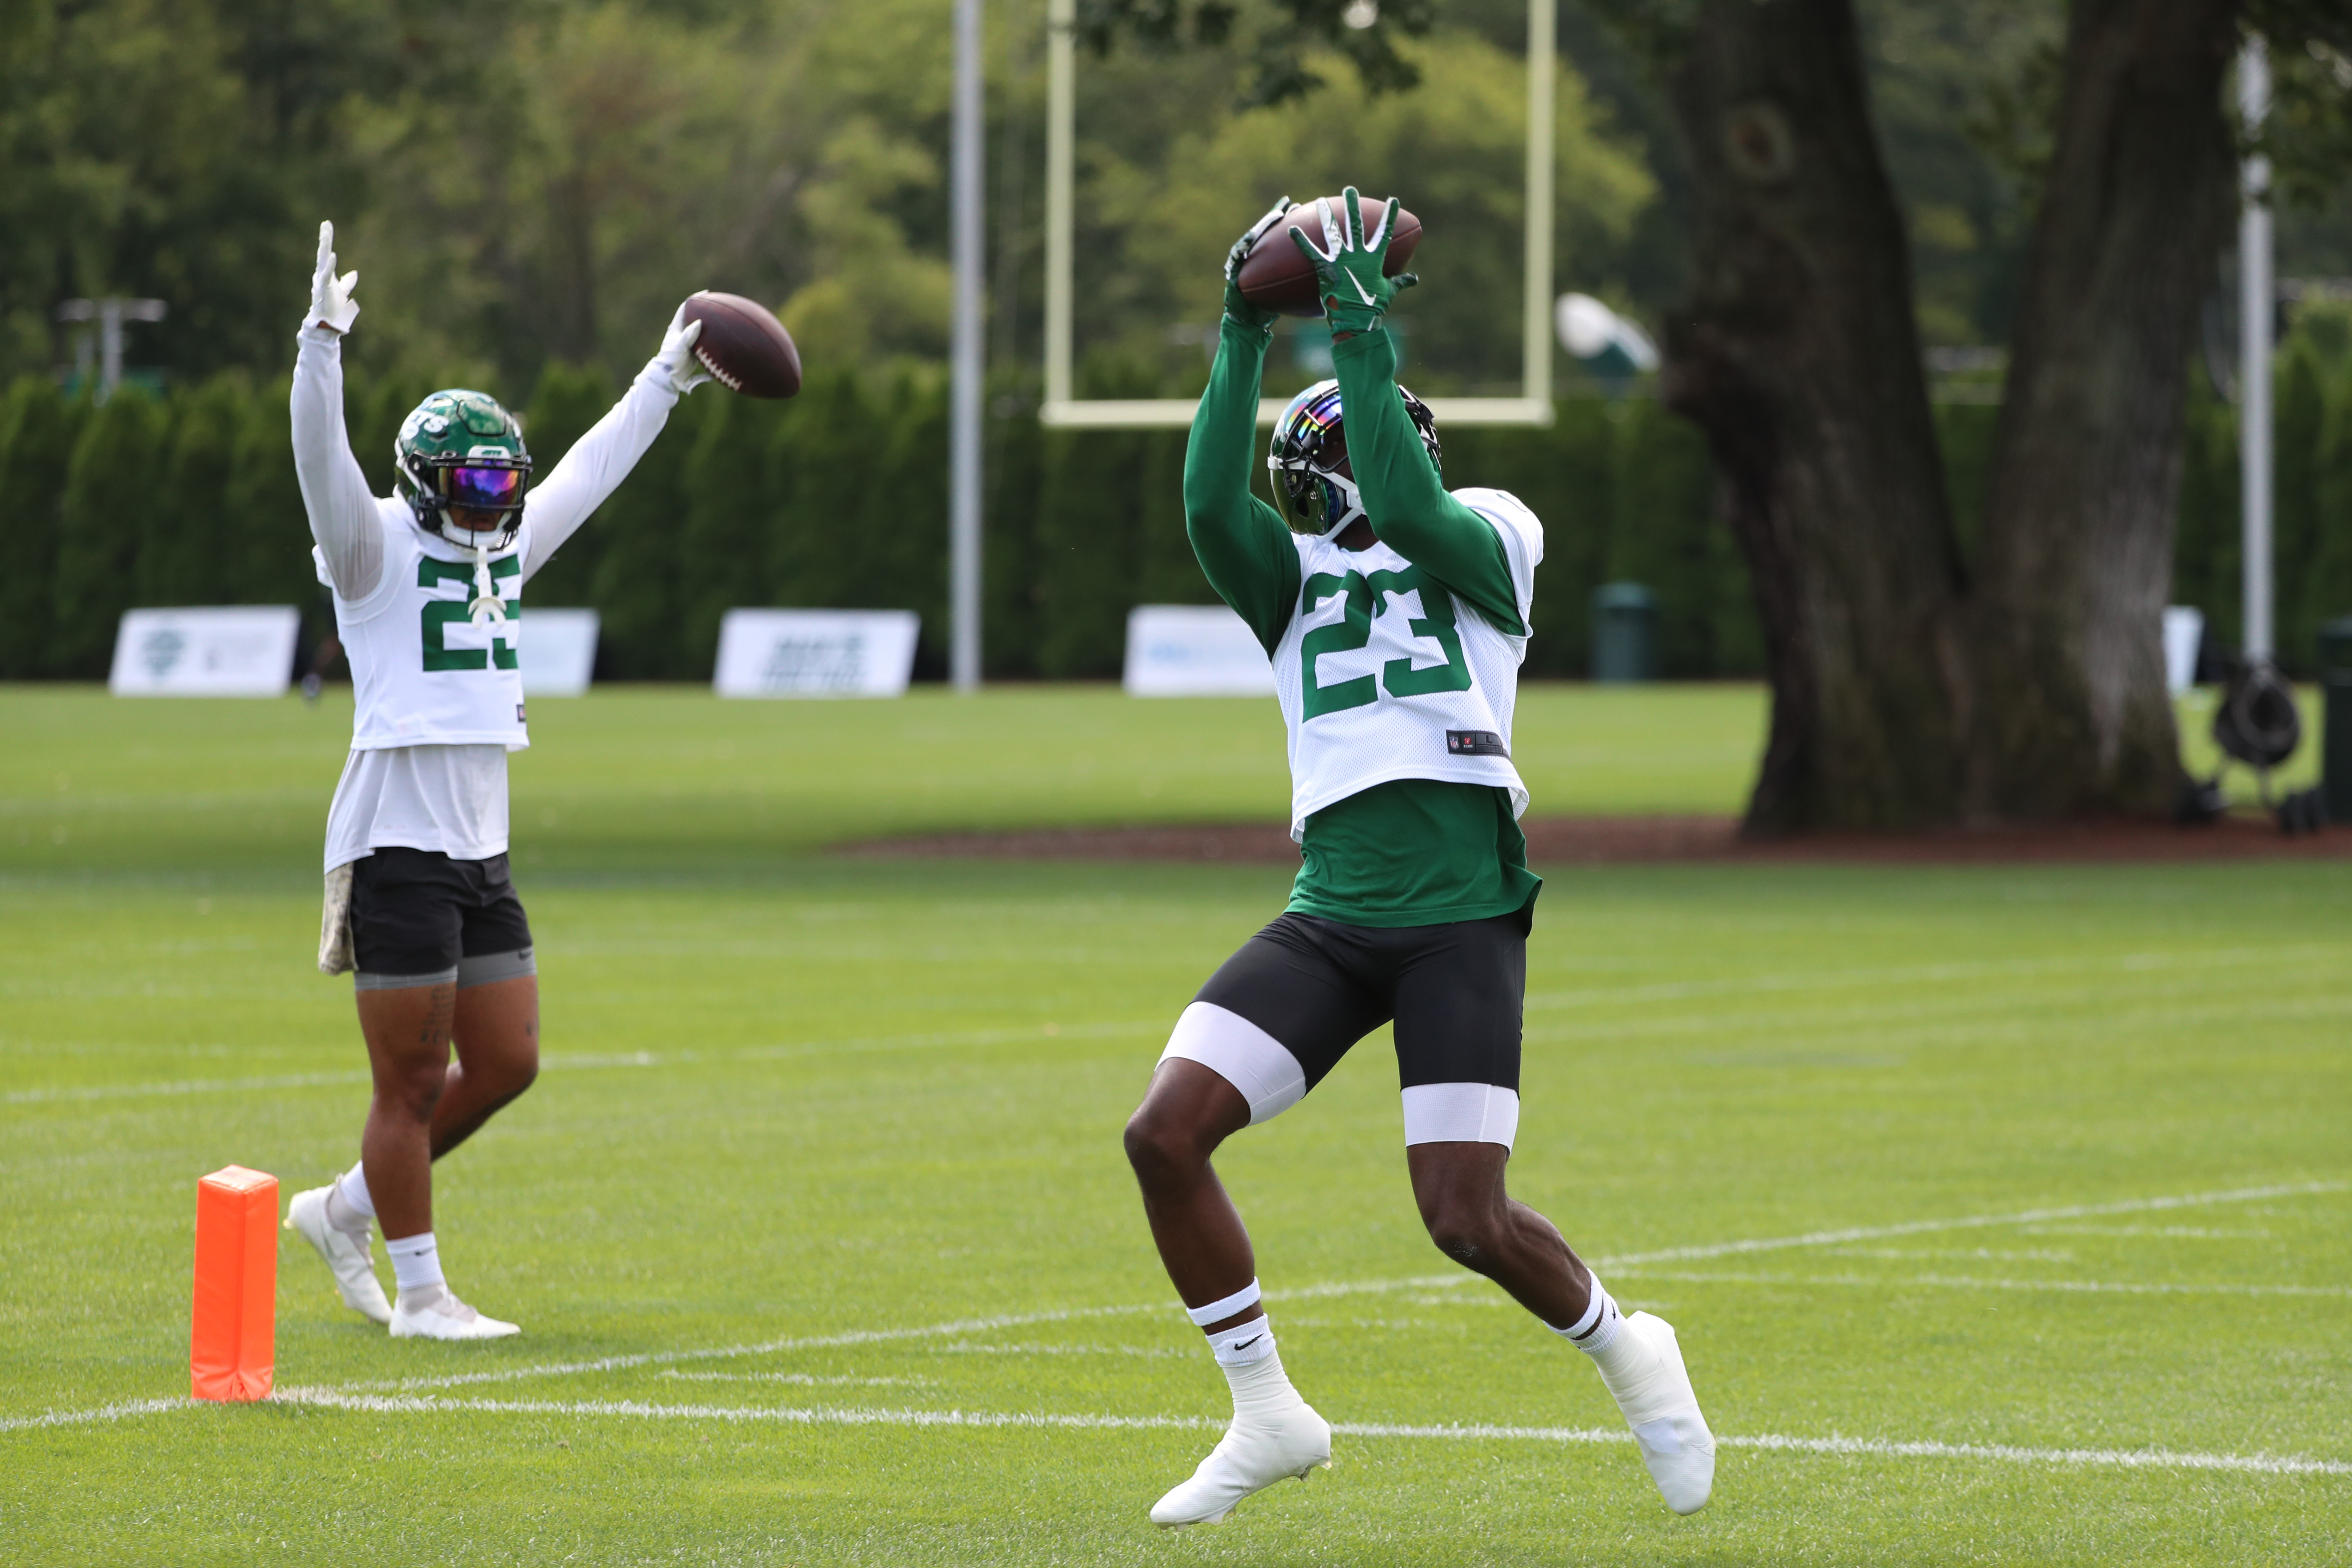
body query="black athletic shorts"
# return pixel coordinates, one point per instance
(417, 915)
(1279, 1014)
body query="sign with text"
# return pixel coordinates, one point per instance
(229, 650)
(816, 653)
(1193, 650)
(558, 652)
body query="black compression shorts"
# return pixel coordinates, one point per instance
(416, 914)
(1313, 987)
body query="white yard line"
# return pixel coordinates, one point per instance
(1960, 1283)
(1867, 1447)
(83, 1417)
(963, 1326)
(1768, 1442)
(559, 1063)
(1971, 1222)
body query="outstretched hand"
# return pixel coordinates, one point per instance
(1348, 276)
(330, 297)
(676, 359)
(1236, 305)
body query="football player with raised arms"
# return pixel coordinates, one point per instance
(1396, 616)
(427, 590)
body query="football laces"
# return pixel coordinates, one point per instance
(702, 357)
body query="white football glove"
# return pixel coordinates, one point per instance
(330, 297)
(676, 361)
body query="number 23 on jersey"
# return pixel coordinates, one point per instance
(1367, 598)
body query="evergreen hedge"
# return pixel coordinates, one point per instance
(838, 498)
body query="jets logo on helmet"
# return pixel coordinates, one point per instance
(1308, 447)
(461, 450)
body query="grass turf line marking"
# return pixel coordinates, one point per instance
(1856, 1447)
(1770, 1442)
(1970, 1221)
(1312, 1292)
(296, 1079)
(82, 1418)
(1959, 1282)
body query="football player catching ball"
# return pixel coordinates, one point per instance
(1396, 616)
(427, 589)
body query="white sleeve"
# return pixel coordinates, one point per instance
(595, 466)
(343, 515)
(1521, 533)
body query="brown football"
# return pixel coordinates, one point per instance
(1277, 278)
(744, 345)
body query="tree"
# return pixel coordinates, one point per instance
(109, 494)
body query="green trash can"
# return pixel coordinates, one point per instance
(1624, 633)
(2335, 724)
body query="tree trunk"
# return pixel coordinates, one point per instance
(1799, 358)
(2071, 712)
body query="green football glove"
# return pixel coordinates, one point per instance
(1236, 307)
(1347, 277)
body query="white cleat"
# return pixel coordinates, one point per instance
(439, 1315)
(1247, 1458)
(346, 1254)
(1654, 1389)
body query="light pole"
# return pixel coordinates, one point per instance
(2257, 305)
(963, 411)
(109, 313)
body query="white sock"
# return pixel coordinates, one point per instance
(1596, 1331)
(349, 1205)
(415, 1264)
(1262, 1390)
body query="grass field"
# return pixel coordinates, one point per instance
(2003, 1212)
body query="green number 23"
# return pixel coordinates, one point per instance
(1366, 597)
(439, 612)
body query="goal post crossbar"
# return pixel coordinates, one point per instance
(1532, 407)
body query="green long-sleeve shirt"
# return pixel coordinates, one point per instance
(1409, 851)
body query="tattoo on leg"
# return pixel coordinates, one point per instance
(443, 1017)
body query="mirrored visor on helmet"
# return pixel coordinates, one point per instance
(486, 488)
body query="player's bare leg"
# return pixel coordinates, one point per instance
(425, 1104)
(1476, 1223)
(497, 1039)
(1187, 1112)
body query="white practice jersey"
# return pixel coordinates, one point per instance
(1384, 675)
(438, 692)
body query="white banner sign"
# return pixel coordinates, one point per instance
(816, 653)
(558, 652)
(2184, 629)
(1193, 650)
(233, 650)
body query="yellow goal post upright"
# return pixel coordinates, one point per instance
(1532, 407)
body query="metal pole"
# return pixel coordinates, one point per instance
(1061, 116)
(2256, 306)
(1536, 343)
(110, 346)
(963, 457)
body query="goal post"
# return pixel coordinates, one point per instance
(1532, 407)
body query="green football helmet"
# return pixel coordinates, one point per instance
(461, 448)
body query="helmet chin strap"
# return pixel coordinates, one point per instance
(485, 607)
(1354, 508)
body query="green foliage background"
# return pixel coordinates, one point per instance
(838, 498)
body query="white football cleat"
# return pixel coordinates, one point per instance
(346, 1254)
(1250, 1457)
(1654, 1389)
(439, 1315)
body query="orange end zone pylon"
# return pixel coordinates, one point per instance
(233, 1345)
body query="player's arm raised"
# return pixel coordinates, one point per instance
(1403, 493)
(598, 462)
(1242, 546)
(335, 493)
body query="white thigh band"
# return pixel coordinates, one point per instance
(1242, 1054)
(1461, 1113)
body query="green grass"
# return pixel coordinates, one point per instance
(798, 1099)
